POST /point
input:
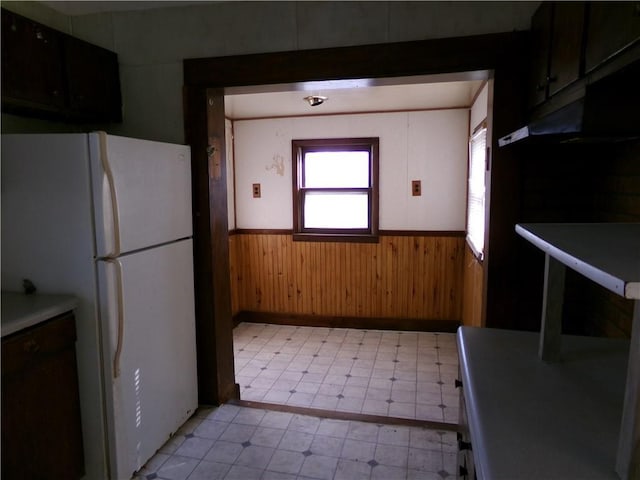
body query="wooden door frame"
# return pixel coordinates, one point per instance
(205, 81)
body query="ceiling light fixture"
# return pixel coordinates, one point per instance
(315, 100)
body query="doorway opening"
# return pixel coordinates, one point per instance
(405, 374)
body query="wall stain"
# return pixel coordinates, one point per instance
(277, 165)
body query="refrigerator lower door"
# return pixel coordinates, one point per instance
(142, 193)
(148, 331)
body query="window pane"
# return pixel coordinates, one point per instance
(476, 193)
(336, 210)
(336, 169)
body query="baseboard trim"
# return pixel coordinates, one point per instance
(369, 323)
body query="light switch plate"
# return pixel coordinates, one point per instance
(416, 188)
(256, 190)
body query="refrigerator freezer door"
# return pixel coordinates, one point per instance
(148, 323)
(142, 193)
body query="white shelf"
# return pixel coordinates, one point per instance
(609, 255)
(606, 253)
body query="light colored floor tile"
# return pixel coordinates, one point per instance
(352, 470)
(363, 431)
(402, 410)
(394, 435)
(177, 467)
(194, 447)
(240, 472)
(348, 404)
(267, 437)
(209, 471)
(327, 446)
(284, 461)
(358, 450)
(384, 472)
(296, 441)
(299, 399)
(224, 452)
(319, 466)
(255, 456)
(333, 428)
(238, 433)
(304, 423)
(276, 420)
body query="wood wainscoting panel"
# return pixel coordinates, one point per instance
(473, 300)
(417, 277)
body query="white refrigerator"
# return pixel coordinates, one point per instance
(108, 219)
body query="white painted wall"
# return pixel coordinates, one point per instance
(430, 146)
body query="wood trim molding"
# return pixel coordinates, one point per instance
(348, 416)
(400, 324)
(504, 55)
(381, 233)
(422, 57)
(422, 233)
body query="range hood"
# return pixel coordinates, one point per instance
(609, 111)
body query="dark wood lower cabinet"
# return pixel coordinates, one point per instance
(41, 429)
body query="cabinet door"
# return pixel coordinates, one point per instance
(31, 67)
(566, 45)
(93, 81)
(612, 26)
(41, 429)
(540, 44)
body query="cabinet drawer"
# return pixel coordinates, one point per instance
(38, 342)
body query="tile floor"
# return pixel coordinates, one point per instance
(234, 442)
(408, 375)
(397, 374)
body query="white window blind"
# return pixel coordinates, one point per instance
(476, 193)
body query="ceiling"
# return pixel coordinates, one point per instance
(348, 96)
(87, 7)
(355, 96)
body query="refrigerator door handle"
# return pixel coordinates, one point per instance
(106, 167)
(120, 314)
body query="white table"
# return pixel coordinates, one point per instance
(608, 254)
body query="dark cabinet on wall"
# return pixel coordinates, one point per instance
(611, 27)
(31, 68)
(557, 30)
(571, 40)
(49, 74)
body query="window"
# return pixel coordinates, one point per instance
(476, 193)
(335, 189)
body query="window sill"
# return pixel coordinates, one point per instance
(477, 254)
(327, 237)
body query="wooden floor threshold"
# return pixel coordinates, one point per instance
(359, 417)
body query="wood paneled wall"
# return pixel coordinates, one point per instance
(416, 277)
(473, 290)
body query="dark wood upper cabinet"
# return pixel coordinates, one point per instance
(611, 27)
(93, 80)
(32, 73)
(46, 73)
(557, 31)
(566, 52)
(541, 47)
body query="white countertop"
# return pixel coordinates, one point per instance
(533, 420)
(20, 311)
(606, 253)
